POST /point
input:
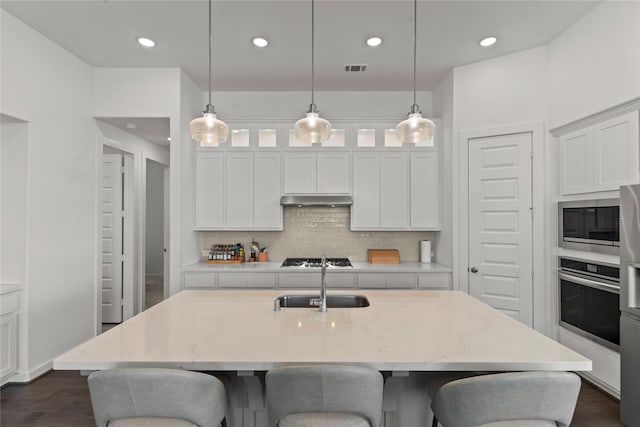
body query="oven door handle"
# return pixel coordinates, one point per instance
(591, 283)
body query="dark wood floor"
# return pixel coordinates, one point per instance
(61, 399)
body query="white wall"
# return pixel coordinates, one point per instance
(331, 105)
(50, 88)
(13, 190)
(595, 64)
(505, 90)
(157, 92)
(154, 232)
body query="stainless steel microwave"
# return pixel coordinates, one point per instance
(590, 225)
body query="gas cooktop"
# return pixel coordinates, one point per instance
(315, 262)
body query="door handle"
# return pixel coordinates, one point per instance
(473, 269)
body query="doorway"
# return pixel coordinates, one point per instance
(155, 233)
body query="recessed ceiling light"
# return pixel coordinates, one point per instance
(169, 138)
(374, 41)
(146, 42)
(131, 126)
(488, 41)
(260, 42)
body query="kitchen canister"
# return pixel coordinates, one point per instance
(425, 251)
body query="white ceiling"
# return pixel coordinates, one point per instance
(103, 33)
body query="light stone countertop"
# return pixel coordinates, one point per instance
(410, 330)
(358, 267)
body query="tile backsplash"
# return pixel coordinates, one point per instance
(312, 231)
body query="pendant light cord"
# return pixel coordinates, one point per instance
(312, 48)
(415, 44)
(210, 44)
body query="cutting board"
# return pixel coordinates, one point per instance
(383, 256)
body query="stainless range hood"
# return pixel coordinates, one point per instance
(316, 200)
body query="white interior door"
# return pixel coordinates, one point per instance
(500, 223)
(165, 278)
(112, 238)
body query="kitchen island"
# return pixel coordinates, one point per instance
(401, 332)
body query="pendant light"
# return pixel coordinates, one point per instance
(312, 128)
(415, 128)
(208, 130)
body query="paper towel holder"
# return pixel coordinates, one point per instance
(425, 251)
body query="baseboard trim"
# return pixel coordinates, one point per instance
(27, 377)
(604, 387)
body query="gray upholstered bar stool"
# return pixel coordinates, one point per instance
(156, 397)
(522, 399)
(324, 396)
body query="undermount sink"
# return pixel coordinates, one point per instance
(333, 301)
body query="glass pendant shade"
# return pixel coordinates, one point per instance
(414, 129)
(208, 130)
(312, 128)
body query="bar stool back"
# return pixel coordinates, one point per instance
(156, 397)
(324, 395)
(523, 399)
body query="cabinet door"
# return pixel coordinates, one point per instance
(262, 280)
(299, 280)
(267, 211)
(576, 162)
(8, 344)
(299, 172)
(208, 197)
(239, 190)
(394, 191)
(434, 280)
(365, 211)
(425, 191)
(402, 280)
(333, 174)
(372, 281)
(615, 160)
(200, 280)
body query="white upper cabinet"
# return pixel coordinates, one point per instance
(237, 185)
(209, 190)
(615, 144)
(425, 191)
(365, 211)
(239, 190)
(394, 190)
(267, 211)
(308, 172)
(576, 154)
(600, 157)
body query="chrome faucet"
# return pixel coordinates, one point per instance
(323, 285)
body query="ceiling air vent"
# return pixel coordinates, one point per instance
(355, 68)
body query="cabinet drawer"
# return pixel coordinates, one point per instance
(371, 281)
(434, 280)
(194, 280)
(401, 281)
(340, 280)
(262, 280)
(232, 280)
(9, 303)
(299, 280)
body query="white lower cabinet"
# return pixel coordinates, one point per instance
(247, 280)
(200, 280)
(9, 335)
(311, 280)
(387, 280)
(434, 280)
(299, 280)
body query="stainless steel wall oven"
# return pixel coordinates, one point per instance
(590, 225)
(589, 300)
